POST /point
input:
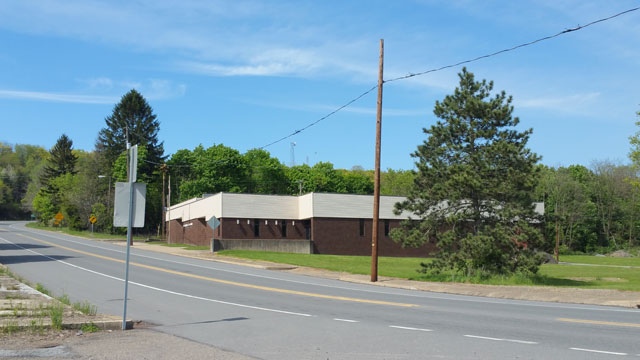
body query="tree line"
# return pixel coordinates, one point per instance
(40, 183)
(472, 189)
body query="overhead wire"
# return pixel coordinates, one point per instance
(411, 75)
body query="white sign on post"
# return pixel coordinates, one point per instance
(121, 205)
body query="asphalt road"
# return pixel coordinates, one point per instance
(274, 315)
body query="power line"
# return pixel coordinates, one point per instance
(322, 118)
(566, 31)
(579, 27)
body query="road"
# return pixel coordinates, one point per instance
(275, 315)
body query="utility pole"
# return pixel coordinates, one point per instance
(557, 235)
(163, 168)
(376, 178)
(169, 208)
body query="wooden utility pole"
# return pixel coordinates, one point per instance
(376, 178)
(164, 168)
(169, 208)
(557, 250)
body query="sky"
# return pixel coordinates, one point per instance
(247, 73)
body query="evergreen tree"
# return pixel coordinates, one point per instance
(474, 186)
(132, 112)
(61, 160)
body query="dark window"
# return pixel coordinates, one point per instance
(307, 229)
(283, 229)
(361, 227)
(256, 227)
(386, 228)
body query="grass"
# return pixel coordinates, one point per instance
(89, 328)
(42, 289)
(85, 307)
(84, 233)
(600, 260)
(184, 246)
(589, 277)
(55, 313)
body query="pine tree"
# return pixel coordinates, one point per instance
(61, 160)
(474, 186)
(132, 112)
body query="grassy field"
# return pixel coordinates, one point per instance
(579, 276)
(84, 233)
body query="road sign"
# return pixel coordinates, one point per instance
(213, 222)
(59, 216)
(93, 219)
(121, 206)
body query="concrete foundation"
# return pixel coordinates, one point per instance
(276, 245)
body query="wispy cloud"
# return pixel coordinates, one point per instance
(575, 103)
(152, 89)
(57, 97)
(387, 112)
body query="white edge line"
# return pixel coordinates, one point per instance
(408, 328)
(346, 320)
(421, 295)
(160, 289)
(599, 351)
(498, 339)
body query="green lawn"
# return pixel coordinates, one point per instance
(84, 233)
(591, 277)
(600, 260)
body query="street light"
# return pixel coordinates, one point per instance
(109, 192)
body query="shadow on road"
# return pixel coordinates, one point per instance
(18, 246)
(20, 259)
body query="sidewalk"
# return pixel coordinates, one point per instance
(629, 299)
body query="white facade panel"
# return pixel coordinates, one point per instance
(196, 208)
(259, 206)
(353, 206)
(305, 206)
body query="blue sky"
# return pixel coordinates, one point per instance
(246, 73)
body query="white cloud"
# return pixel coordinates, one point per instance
(152, 89)
(576, 103)
(58, 97)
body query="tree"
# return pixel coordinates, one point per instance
(474, 186)
(218, 168)
(265, 174)
(132, 112)
(61, 160)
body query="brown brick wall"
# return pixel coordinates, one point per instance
(238, 229)
(328, 235)
(342, 237)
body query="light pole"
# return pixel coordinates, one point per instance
(108, 192)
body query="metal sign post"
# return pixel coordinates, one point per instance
(214, 223)
(133, 154)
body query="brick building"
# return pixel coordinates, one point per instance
(316, 223)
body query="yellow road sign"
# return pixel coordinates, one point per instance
(59, 216)
(93, 219)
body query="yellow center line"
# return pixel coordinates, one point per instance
(227, 282)
(598, 322)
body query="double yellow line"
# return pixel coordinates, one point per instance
(226, 282)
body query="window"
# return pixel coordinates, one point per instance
(256, 227)
(283, 227)
(361, 227)
(386, 228)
